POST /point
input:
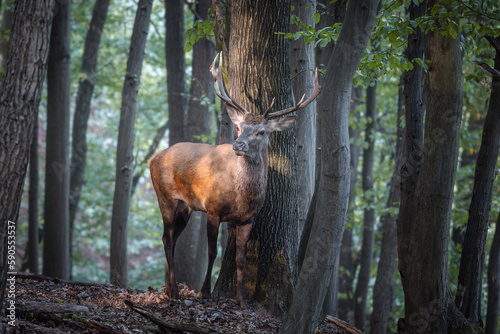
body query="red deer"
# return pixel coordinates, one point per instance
(226, 181)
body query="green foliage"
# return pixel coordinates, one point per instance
(201, 29)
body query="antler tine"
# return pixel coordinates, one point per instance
(302, 103)
(269, 109)
(223, 95)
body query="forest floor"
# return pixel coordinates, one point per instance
(46, 305)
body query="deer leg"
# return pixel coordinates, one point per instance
(173, 213)
(212, 234)
(242, 235)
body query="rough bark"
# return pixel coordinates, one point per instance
(124, 153)
(321, 257)
(384, 290)
(19, 101)
(176, 71)
(472, 261)
(301, 63)
(191, 247)
(429, 305)
(7, 18)
(259, 68)
(33, 222)
(82, 108)
(413, 138)
(56, 261)
(494, 283)
(361, 293)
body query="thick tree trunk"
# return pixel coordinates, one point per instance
(176, 71)
(82, 109)
(301, 64)
(494, 283)
(384, 290)
(321, 257)
(429, 305)
(124, 153)
(191, 255)
(413, 139)
(56, 262)
(361, 293)
(7, 17)
(470, 277)
(33, 222)
(259, 68)
(19, 101)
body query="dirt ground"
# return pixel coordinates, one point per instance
(46, 305)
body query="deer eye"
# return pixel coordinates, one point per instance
(261, 133)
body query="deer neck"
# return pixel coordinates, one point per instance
(252, 172)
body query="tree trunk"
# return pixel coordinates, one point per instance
(470, 277)
(347, 265)
(301, 64)
(320, 261)
(361, 293)
(259, 68)
(429, 305)
(176, 71)
(124, 153)
(191, 255)
(33, 222)
(7, 17)
(56, 262)
(413, 140)
(19, 101)
(335, 12)
(384, 290)
(82, 109)
(494, 282)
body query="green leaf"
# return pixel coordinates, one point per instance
(453, 33)
(316, 17)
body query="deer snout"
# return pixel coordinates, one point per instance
(239, 147)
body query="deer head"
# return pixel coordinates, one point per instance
(253, 130)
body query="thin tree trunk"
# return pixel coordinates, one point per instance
(33, 222)
(272, 246)
(494, 283)
(191, 256)
(19, 101)
(322, 253)
(82, 109)
(361, 293)
(347, 265)
(472, 262)
(176, 71)
(301, 64)
(384, 290)
(56, 261)
(335, 13)
(124, 154)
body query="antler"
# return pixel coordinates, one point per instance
(300, 105)
(223, 95)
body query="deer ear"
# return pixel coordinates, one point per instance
(278, 124)
(235, 115)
